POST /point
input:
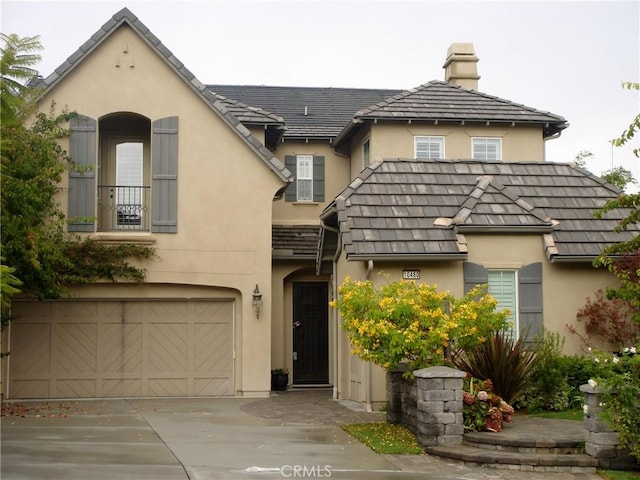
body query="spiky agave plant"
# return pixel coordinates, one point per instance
(501, 359)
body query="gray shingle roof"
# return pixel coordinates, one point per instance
(295, 241)
(224, 111)
(443, 102)
(400, 208)
(250, 115)
(328, 110)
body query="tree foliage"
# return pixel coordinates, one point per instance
(634, 126)
(17, 58)
(619, 176)
(623, 258)
(581, 158)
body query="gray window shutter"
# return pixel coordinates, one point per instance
(530, 299)
(474, 274)
(82, 181)
(164, 175)
(290, 195)
(318, 179)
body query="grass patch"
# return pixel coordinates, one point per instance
(618, 475)
(577, 415)
(384, 437)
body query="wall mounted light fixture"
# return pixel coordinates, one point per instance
(257, 301)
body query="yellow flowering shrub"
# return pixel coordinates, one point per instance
(408, 321)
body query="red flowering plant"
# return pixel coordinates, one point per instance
(484, 410)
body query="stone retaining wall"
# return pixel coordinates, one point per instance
(429, 405)
(601, 441)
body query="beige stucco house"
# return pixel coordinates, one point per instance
(288, 190)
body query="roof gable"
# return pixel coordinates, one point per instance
(492, 205)
(126, 17)
(401, 208)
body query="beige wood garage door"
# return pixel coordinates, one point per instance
(79, 349)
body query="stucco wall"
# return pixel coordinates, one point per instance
(396, 139)
(336, 174)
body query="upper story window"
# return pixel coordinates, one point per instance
(366, 159)
(429, 147)
(308, 171)
(486, 149)
(304, 169)
(127, 174)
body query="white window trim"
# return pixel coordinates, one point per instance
(430, 138)
(485, 139)
(515, 312)
(299, 159)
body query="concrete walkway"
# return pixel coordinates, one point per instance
(289, 435)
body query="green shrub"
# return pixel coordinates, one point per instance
(547, 387)
(577, 370)
(501, 359)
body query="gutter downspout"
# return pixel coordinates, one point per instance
(367, 368)
(334, 293)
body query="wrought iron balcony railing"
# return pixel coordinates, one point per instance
(123, 208)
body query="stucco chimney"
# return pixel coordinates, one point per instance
(461, 66)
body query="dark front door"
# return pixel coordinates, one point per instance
(310, 333)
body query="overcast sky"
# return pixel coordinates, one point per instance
(568, 58)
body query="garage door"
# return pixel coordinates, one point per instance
(81, 349)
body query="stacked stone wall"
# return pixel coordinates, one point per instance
(430, 404)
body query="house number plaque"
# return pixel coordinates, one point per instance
(411, 274)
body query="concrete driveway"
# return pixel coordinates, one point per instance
(292, 435)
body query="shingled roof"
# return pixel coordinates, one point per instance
(295, 241)
(337, 113)
(399, 209)
(125, 16)
(443, 102)
(309, 112)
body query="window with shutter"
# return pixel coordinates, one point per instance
(486, 149)
(304, 169)
(308, 184)
(429, 147)
(519, 290)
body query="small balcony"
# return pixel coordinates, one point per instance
(123, 208)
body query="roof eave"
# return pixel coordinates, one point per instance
(292, 256)
(504, 229)
(400, 257)
(572, 258)
(347, 132)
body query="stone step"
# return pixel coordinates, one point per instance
(532, 462)
(526, 443)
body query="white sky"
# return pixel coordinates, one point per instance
(568, 58)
